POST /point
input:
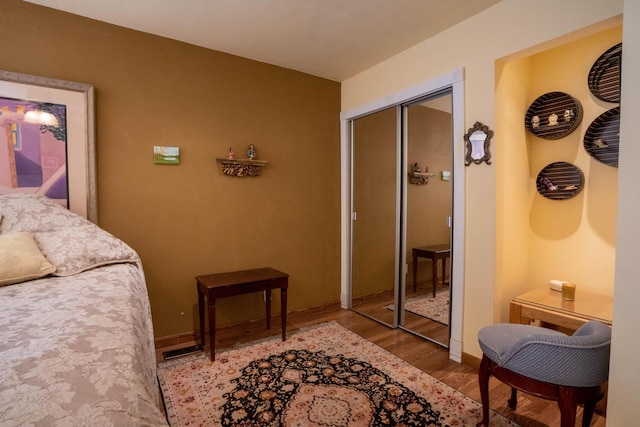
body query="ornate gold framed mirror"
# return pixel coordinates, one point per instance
(477, 141)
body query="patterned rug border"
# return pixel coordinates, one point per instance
(378, 351)
(200, 354)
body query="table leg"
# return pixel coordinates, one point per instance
(415, 269)
(201, 316)
(434, 274)
(444, 270)
(283, 311)
(268, 303)
(212, 327)
(515, 314)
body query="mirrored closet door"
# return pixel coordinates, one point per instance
(375, 222)
(401, 195)
(427, 217)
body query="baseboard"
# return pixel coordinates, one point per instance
(174, 340)
(471, 361)
(194, 336)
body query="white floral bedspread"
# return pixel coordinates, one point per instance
(75, 350)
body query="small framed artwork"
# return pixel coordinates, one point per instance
(166, 155)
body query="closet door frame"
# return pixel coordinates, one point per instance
(455, 81)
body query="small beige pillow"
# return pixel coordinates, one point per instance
(21, 259)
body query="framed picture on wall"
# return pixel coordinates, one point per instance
(47, 140)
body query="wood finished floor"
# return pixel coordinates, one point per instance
(374, 305)
(429, 357)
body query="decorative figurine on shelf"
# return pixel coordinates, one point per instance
(251, 154)
(568, 115)
(548, 184)
(598, 142)
(535, 122)
(553, 119)
(416, 168)
(231, 152)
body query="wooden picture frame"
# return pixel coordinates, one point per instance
(78, 99)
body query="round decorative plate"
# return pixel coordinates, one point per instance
(553, 115)
(560, 181)
(602, 139)
(604, 77)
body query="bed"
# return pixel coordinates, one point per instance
(76, 339)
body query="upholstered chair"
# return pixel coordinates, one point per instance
(570, 369)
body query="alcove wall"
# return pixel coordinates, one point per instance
(539, 239)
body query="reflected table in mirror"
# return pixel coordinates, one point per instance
(434, 253)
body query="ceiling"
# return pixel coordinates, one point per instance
(334, 39)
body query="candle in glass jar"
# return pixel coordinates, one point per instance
(568, 291)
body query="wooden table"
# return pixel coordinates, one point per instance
(548, 307)
(221, 285)
(433, 252)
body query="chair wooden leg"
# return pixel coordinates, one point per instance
(483, 378)
(587, 414)
(568, 403)
(513, 401)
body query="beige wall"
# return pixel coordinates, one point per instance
(482, 45)
(476, 45)
(190, 219)
(540, 239)
(624, 378)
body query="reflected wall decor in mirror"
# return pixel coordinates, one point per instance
(393, 221)
(477, 141)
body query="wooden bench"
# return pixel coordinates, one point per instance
(221, 285)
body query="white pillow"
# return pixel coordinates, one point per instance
(21, 259)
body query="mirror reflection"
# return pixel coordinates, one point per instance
(374, 228)
(428, 139)
(477, 139)
(401, 230)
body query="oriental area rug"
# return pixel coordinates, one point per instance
(436, 309)
(325, 376)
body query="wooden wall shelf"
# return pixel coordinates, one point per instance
(241, 167)
(419, 178)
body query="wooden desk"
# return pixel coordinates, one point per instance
(433, 252)
(551, 310)
(221, 285)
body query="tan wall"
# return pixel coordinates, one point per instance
(190, 219)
